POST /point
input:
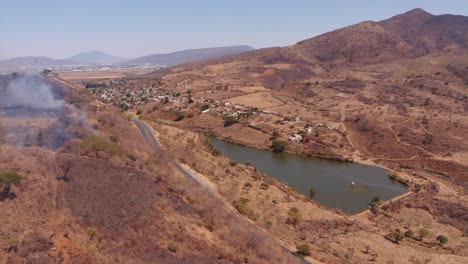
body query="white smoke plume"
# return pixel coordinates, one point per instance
(29, 91)
(34, 112)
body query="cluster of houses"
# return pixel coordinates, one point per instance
(126, 98)
(307, 130)
(238, 111)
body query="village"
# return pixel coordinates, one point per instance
(118, 93)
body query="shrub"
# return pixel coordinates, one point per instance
(248, 185)
(397, 235)
(139, 112)
(375, 199)
(264, 186)
(251, 243)
(84, 91)
(427, 139)
(215, 152)
(294, 216)
(90, 231)
(367, 249)
(205, 107)
(97, 143)
(232, 163)
(423, 232)
(210, 224)
(173, 246)
(409, 233)
(241, 207)
(425, 120)
(275, 135)
(442, 239)
(303, 250)
(279, 146)
(179, 117)
(9, 178)
(229, 120)
(417, 187)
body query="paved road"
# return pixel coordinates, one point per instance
(148, 133)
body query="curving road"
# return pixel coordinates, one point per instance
(148, 133)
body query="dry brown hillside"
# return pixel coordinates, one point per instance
(106, 196)
(427, 33)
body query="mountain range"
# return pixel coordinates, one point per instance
(192, 55)
(100, 58)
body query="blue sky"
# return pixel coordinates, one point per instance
(131, 28)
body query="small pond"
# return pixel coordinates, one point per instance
(332, 180)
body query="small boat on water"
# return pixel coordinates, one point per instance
(353, 183)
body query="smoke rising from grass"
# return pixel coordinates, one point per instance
(35, 113)
(30, 91)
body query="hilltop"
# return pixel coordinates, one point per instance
(95, 57)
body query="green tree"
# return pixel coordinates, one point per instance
(9, 178)
(41, 138)
(278, 146)
(442, 239)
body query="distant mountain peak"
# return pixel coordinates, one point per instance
(417, 11)
(95, 57)
(416, 15)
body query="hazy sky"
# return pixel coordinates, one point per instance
(60, 29)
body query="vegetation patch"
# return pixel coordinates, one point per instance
(97, 143)
(278, 146)
(241, 206)
(8, 179)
